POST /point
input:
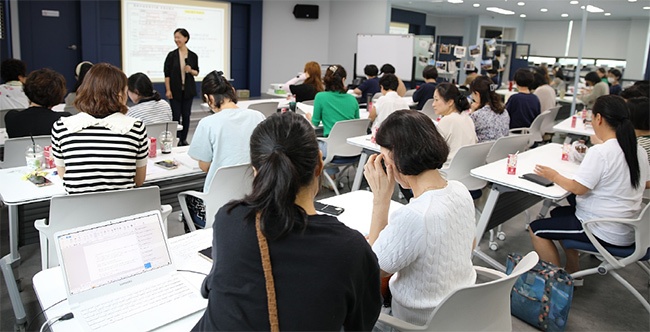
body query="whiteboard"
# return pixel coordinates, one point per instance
(148, 35)
(381, 49)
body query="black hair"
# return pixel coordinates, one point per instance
(387, 69)
(497, 53)
(334, 76)
(217, 86)
(448, 91)
(11, 69)
(284, 152)
(468, 72)
(403, 133)
(524, 77)
(83, 70)
(602, 70)
(634, 91)
(140, 84)
(45, 87)
(486, 89)
(559, 73)
(389, 82)
(371, 70)
(639, 112)
(430, 72)
(183, 33)
(614, 111)
(616, 73)
(592, 77)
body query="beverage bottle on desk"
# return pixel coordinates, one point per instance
(369, 101)
(574, 119)
(166, 142)
(34, 157)
(152, 147)
(509, 85)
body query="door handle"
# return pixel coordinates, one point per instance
(72, 47)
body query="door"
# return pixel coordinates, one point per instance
(50, 36)
(239, 47)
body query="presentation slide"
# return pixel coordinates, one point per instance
(148, 35)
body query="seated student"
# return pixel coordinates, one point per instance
(491, 119)
(389, 69)
(149, 106)
(470, 76)
(613, 78)
(334, 104)
(634, 91)
(524, 106)
(609, 184)
(45, 89)
(602, 74)
(312, 84)
(640, 116)
(425, 91)
(324, 275)
(13, 72)
(455, 126)
(598, 88)
(427, 245)
(369, 86)
(100, 148)
(558, 82)
(221, 139)
(544, 92)
(79, 73)
(388, 103)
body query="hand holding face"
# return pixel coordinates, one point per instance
(381, 183)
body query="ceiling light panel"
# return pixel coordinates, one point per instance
(594, 9)
(500, 11)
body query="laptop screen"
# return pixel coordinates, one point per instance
(110, 252)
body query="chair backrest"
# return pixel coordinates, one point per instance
(535, 129)
(337, 144)
(376, 96)
(641, 236)
(228, 183)
(15, 149)
(308, 102)
(2, 116)
(267, 108)
(549, 121)
(467, 158)
(506, 145)
(75, 210)
(155, 129)
(427, 109)
(409, 93)
(480, 307)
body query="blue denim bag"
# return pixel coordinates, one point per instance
(542, 296)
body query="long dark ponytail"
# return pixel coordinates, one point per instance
(284, 151)
(615, 112)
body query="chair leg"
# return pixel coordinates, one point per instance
(632, 290)
(331, 182)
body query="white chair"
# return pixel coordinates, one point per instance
(376, 96)
(339, 152)
(409, 93)
(76, 210)
(427, 109)
(467, 158)
(615, 258)
(228, 183)
(308, 102)
(15, 149)
(479, 307)
(267, 108)
(535, 129)
(549, 121)
(155, 129)
(506, 145)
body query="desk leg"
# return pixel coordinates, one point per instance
(357, 177)
(14, 294)
(14, 255)
(490, 204)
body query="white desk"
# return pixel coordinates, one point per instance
(368, 149)
(358, 209)
(506, 93)
(518, 194)
(50, 288)
(580, 128)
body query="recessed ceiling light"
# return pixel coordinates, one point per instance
(582, 7)
(646, 7)
(455, 1)
(543, 10)
(521, 3)
(574, 2)
(500, 10)
(476, 5)
(631, 0)
(608, 14)
(565, 15)
(522, 15)
(594, 9)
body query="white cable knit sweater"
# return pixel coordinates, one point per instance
(428, 245)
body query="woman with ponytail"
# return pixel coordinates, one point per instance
(491, 119)
(149, 107)
(220, 139)
(456, 126)
(608, 184)
(321, 275)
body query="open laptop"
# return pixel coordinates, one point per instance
(119, 275)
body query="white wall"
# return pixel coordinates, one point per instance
(448, 26)
(637, 49)
(603, 39)
(547, 37)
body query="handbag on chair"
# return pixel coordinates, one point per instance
(542, 296)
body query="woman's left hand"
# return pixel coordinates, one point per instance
(546, 172)
(381, 183)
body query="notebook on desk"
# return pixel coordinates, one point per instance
(119, 275)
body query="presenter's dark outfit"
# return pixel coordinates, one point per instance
(182, 94)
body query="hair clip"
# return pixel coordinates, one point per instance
(333, 68)
(493, 87)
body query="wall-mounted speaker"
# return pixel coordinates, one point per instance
(306, 11)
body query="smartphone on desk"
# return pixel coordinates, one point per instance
(328, 209)
(167, 164)
(206, 253)
(39, 180)
(532, 177)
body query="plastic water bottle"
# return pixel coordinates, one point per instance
(34, 158)
(166, 142)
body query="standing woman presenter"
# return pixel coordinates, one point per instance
(181, 65)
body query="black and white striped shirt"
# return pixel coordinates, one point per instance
(151, 111)
(95, 157)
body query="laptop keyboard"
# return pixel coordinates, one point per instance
(135, 301)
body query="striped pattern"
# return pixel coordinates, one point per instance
(97, 159)
(644, 142)
(151, 112)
